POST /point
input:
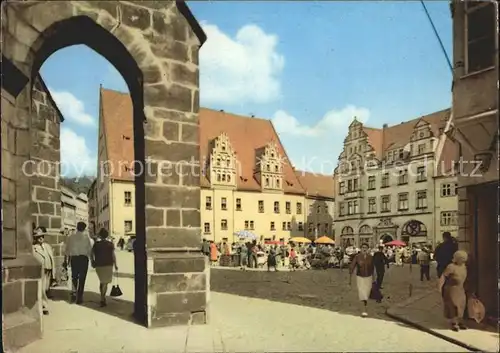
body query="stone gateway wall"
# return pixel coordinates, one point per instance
(155, 46)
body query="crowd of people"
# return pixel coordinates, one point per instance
(80, 250)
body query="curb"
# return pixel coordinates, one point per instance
(432, 332)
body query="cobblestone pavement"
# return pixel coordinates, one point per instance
(324, 289)
(239, 323)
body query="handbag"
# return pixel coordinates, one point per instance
(375, 292)
(475, 309)
(115, 290)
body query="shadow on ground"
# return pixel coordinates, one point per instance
(117, 307)
(323, 289)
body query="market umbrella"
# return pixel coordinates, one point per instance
(299, 240)
(245, 234)
(395, 243)
(273, 242)
(324, 240)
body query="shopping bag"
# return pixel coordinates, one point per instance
(475, 309)
(115, 290)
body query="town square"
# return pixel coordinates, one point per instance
(249, 176)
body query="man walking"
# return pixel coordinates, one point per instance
(444, 252)
(77, 252)
(380, 262)
(44, 254)
(424, 260)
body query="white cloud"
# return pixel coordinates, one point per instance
(333, 120)
(76, 157)
(243, 69)
(72, 108)
(316, 147)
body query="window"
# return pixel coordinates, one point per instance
(421, 174)
(247, 224)
(372, 205)
(206, 228)
(301, 226)
(326, 209)
(128, 198)
(403, 177)
(261, 206)
(449, 218)
(318, 209)
(289, 225)
(272, 226)
(342, 188)
(385, 180)
(480, 31)
(267, 182)
(283, 226)
(223, 203)
(208, 203)
(448, 190)
(223, 224)
(403, 202)
(386, 204)
(352, 207)
(252, 225)
(341, 208)
(128, 226)
(371, 182)
(277, 183)
(421, 148)
(276, 207)
(327, 228)
(318, 227)
(421, 199)
(311, 227)
(288, 207)
(299, 208)
(238, 204)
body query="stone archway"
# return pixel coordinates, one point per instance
(143, 40)
(386, 238)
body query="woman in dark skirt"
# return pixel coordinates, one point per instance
(271, 260)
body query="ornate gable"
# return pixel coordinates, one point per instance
(223, 162)
(269, 167)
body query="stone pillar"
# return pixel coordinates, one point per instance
(45, 156)
(21, 272)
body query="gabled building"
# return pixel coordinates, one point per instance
(385, 182)
(248, 182)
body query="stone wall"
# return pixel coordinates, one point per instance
(21, 304)
(45, 171)
(155, 46)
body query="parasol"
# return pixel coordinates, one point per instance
(299, 240)
(324, 240)
(395, 243)
(245, 234)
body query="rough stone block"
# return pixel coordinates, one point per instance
(171, 130)
(136, 17)
(190, 133)
(174, 97)
(47, 208)
(173, 218)
(12, 296)
(23, 143)
(170, 196)
(173, 238)
(191, 175)
(175, 116)
(43, 221)
(166, 48)
(174, 151)
(191, 218)
(175, 263)
(9, 215)
(55, 222)
(30, 293)
(184, 75)
(199, 318)
(178, 282)
(47, 182)
(187, 302)
(7, 163)
(9, 243)
(19, 334)
(8, 190)
(155, 217)
(43, 194)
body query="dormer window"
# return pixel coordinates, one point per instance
(277, 183)
(272, 155)
(268, 168)
(276, 169)
(267, 181)
(218, 161)
(223, 147)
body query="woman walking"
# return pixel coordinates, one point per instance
(213, 253)
(453, 292)
(103, 260)
(365, 275)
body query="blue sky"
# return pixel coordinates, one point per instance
(308, 66)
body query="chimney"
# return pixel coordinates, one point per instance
(385, 126)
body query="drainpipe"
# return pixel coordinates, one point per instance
(476, 236)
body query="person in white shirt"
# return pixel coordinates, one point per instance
(77, 253)
(44, 254)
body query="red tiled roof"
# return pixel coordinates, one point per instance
(398, 136)
(317, 184)
(247, 135)
(117, 114)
